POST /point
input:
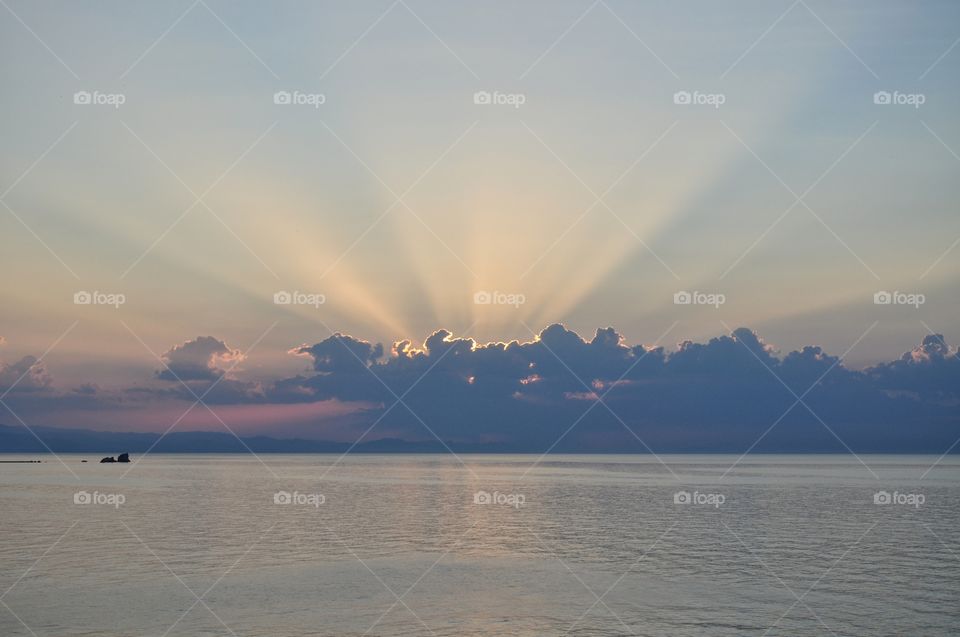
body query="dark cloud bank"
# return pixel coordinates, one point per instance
(723, 395)
(730, 394)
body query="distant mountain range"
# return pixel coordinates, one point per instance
(19, 439)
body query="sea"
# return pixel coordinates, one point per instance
(443, 545)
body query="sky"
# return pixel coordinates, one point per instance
(488, 169)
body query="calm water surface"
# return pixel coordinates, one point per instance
(398, 545)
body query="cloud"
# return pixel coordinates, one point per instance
(25, 375)
(930, 371)
(725, 392)
(565, 392)
(340, 353)
(199, 359)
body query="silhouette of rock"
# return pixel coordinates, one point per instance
(123, 457)
(108, 459)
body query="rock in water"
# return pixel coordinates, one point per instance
(123, 457)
